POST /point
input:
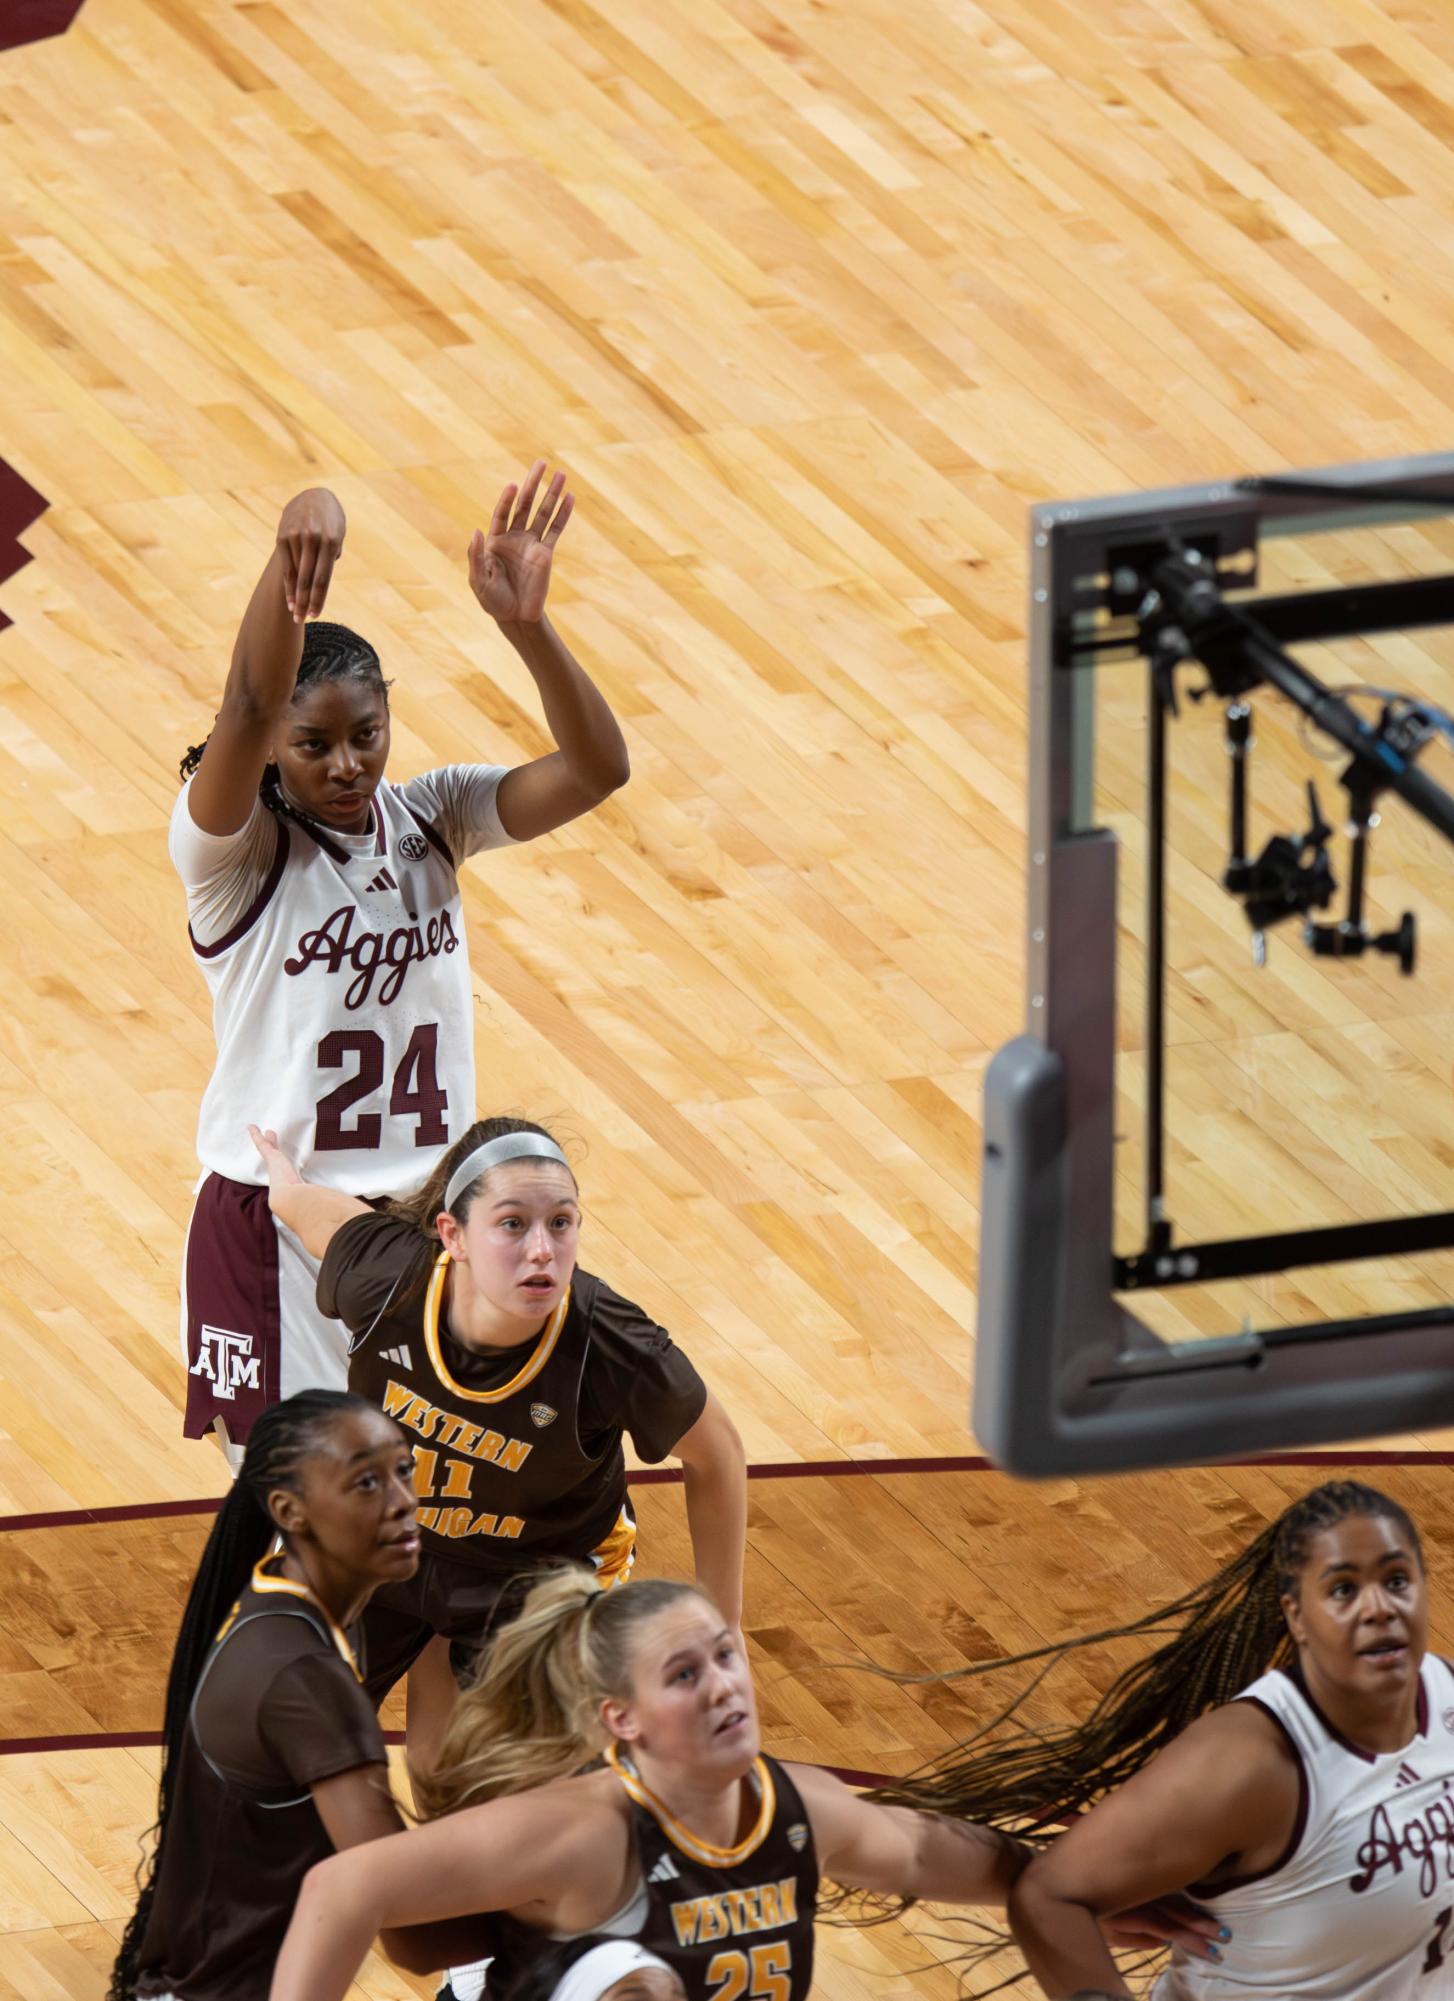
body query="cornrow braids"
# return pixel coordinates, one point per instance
(330, 653)
(1225, 1633)
(284, 1437)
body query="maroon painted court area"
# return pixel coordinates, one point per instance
(812, 1469)
(23, 21)
(20, 504)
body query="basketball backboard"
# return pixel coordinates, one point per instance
(1214, 1219)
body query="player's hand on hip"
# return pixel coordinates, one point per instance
(1167, 1921)
(310, 535)
(510, 567)
(281, 1171)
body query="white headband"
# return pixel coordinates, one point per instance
(602, 1967)
(510, 1146)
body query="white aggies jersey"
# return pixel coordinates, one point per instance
(1362, 1908)
(340, 982)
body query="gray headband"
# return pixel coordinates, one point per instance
(510, 1146)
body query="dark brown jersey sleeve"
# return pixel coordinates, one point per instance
(369, 1263)
(636, 1379)
(316, 1720)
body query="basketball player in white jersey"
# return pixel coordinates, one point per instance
(324, 908)
(1313, 1815)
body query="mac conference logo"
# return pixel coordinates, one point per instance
(541, 1414)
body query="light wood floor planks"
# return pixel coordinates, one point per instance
(811, 299)
(918, 1573)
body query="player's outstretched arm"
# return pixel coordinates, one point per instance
(357, 1806)
(1228, 1787)
(866, 1845)
(265, 659)
(531, 1849)
(714, 1475)
(901, 1852)
(510, 575)
(313, 1213)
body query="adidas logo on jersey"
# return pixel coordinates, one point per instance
(383, 880)
(399, 1356)
(663, 1871)
(1406, 1775)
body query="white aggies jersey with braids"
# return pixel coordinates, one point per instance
(340, 981)
(1361, 1908)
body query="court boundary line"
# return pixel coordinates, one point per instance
(142, 1740)
(799, 1469)
(787, 1469)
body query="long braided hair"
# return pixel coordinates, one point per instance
(1029, 1781)
(1228, 1631)
(284, 1437)
(330, 653)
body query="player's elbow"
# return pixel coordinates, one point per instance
(713, 1447)
(408, 1949)
(1037, 1895)
(612, 772)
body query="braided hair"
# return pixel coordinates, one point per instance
(330, 653)
(1228, 1631)
(284, 1437)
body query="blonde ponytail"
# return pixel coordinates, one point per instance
(533, 1711)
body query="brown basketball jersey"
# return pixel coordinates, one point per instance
(732, 1921)
(518, 1453)
(736, 1923)
(278, 1707)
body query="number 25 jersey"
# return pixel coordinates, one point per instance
(341, 1000)
(735, 1923)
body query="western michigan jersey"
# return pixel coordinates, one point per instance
(517, 1451)
(341, 996)
(1361, 1907)
(278, 1709)
(736, 1921)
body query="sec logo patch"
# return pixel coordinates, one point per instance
(413, 848)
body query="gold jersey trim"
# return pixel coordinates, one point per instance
(682, 1837)
(529, 1370)
(262, 1581)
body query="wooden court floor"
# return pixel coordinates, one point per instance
(811, 299)
(917, 1572)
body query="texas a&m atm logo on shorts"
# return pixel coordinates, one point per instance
(227, 1361)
